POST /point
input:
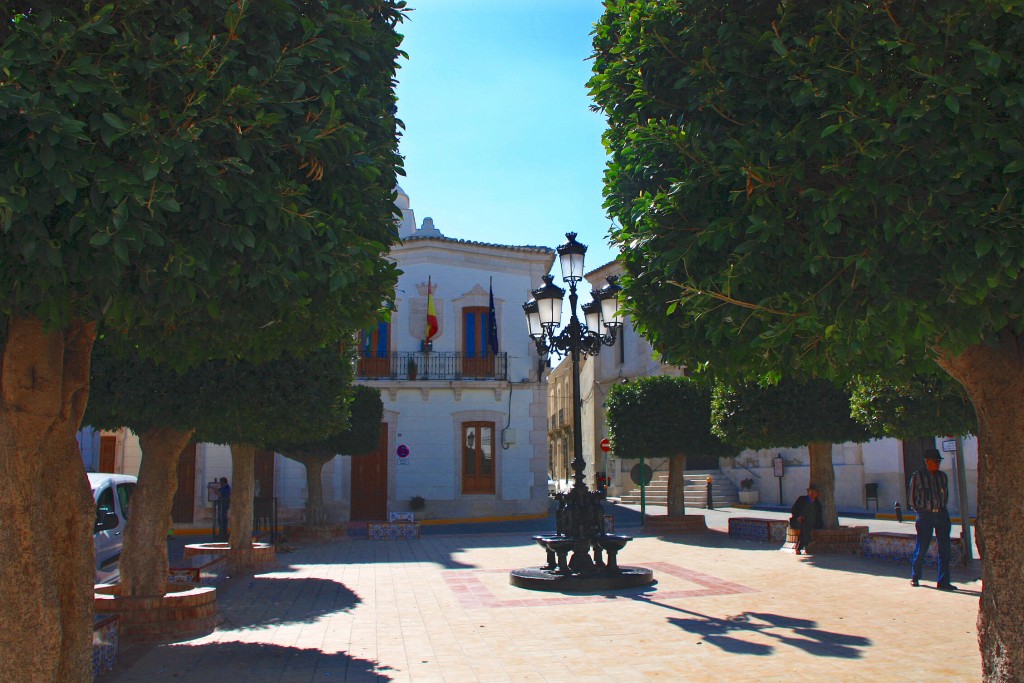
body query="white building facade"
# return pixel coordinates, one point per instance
(464, 422)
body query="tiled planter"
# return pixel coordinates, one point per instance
(897, 547)
(758, 529)
(846, 540)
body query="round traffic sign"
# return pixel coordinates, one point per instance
(638, 472)
(402, 451)
(606, 445)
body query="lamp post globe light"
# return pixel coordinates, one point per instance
(575, 551)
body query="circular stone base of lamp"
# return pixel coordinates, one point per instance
(540, 579)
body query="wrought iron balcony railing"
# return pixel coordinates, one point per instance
(433, 365)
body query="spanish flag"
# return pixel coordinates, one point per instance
(431, 312)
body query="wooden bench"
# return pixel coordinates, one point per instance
(199, 570)
(890, 546)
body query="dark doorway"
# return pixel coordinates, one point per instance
(370, 482)
(108, 453)
(264, 474)
(184, 504)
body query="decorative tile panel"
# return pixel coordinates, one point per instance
(756, 529)
(896, 547)
(393, 531)
(104, 643)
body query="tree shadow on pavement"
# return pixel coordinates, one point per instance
(281, 600)
(862, 565)
(792, 631)
(222, 662)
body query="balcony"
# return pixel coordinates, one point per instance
(434, 365)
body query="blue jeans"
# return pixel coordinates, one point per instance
(929, 523)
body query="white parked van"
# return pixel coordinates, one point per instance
(112, 493)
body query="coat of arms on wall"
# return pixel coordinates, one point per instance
(418, 323)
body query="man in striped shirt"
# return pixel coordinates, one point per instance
(929, 491)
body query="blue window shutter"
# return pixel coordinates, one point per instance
(471, 336)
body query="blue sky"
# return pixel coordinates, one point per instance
(500, 144)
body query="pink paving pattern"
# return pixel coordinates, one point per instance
(469, 587)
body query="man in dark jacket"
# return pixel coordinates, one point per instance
(807, 516)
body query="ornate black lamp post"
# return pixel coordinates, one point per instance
(580, 517)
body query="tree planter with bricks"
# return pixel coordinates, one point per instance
(182, 612)
(261, 556)
(845, 540)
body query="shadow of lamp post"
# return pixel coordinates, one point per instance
(580, 517)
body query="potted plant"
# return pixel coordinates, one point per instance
(417, 503)
(748, 496)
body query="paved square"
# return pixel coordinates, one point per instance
(490, 588)
(441, 609)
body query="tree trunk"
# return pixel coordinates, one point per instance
(993, 377)
(823, 475)
(243, 489)
(144, 556)
(46, 552)
(677, 486)
(314, 464)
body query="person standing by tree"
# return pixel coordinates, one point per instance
(224, 500)
(929, 492)
(807, 516)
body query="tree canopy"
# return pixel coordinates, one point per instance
(665, 417)
(162, 164)
(915, 408)
(787, 414)
(790, 413)
(365, 411)
(662, 417)
(793, 181)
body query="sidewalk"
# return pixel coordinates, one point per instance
(441, 609)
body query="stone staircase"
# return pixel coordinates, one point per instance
(695, 493)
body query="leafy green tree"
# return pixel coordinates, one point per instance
(159, 404)
(362, 436)
(664, 417)
(164, 165)
(918, 407)
(833, 188)
(257, 406)
(287, 397)
(790, 414)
